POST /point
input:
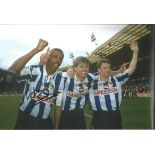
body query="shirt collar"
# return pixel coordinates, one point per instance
(79, 81)
(99, 79)
(45, 72)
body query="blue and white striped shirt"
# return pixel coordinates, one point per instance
(76, 92)
(107, 95)
(40, 91)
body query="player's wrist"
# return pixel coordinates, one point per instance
(35, 50)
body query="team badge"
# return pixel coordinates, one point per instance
(51, 87)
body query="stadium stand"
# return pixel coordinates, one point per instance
(9, 84)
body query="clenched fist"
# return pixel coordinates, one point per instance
(41, 45)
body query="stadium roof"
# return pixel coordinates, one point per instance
(121, 39)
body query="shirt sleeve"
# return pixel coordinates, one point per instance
(26, 71)
(123, 77)
(25, 74)
(59, 97)
(92, 75)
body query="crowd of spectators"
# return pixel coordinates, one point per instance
(140, 87)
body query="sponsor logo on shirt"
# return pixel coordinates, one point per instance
(76, 94)
(81, 90)
(105, 91)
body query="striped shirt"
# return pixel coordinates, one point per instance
(107, 95)
(76, 92)
(40, 91)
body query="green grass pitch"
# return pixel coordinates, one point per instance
(135, 113)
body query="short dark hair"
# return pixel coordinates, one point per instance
(99, 63)
(81, 59)
(58, 49)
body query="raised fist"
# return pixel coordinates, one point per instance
(41, 45)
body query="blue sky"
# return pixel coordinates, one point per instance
(17, 40)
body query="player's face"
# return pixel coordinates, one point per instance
(81, 70)
(55, 60)
(105, 70)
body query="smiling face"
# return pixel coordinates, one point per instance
(81, 70)
(55, 60)
(104, 70)
(81, 67)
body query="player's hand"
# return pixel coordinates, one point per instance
(123, 68)
(134, 46)
(41, 45)
(45, 56)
